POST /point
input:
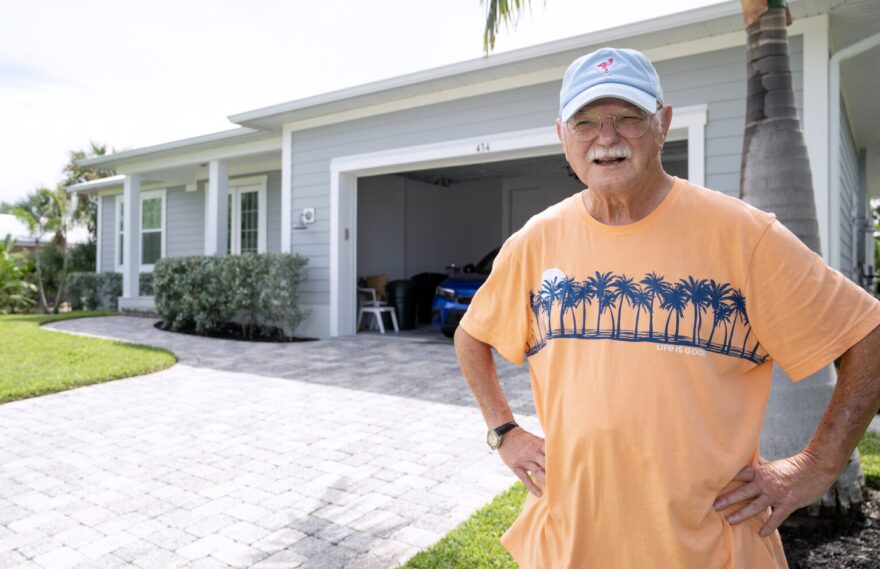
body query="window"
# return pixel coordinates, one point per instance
(246, 216)
(152, 229)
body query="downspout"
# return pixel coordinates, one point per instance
(834, 147)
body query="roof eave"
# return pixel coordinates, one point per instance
(186, 143)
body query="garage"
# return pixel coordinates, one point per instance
(428, 224)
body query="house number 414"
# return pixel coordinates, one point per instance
(483, 147)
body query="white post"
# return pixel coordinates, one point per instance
(131, 270)
(217, 204)
(286, 188)
(99, 233)
(815, 121)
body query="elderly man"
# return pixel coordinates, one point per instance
(651, 311)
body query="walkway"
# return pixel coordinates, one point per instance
(353, 452)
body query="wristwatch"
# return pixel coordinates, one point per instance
(496, 436)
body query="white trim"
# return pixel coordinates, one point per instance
(216, 191)
(543, 74)
(131, 269)
(149, 163)
(98, 233)
(117, 249)
(345, 170)
(214, 139)
(151, 195)
(836, 130)
(691, 121)
(815, 123)
(101, 183)
(237, 187)
(286, 189)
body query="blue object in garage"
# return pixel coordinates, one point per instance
(453, 296)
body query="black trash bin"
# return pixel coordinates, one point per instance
(426, 284)
(402, 296)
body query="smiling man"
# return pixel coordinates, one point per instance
(651, 311)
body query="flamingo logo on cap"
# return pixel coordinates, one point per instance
(606, 64)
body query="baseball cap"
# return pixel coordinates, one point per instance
(608, 72)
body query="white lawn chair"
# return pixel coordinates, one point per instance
(372, 305)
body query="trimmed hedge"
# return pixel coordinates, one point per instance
(206, 293)
(101, 291)
(94, 291)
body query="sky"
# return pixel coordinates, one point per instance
(136, 73)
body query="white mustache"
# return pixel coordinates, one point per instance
(619, 150)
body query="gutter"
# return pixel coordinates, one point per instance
(837, 59)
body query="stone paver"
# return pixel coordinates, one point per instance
(349, 452)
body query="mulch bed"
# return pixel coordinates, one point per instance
(234, 332)
(853, 543)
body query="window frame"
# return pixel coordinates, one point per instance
(119, 235)
(150, 195)
(237, 187)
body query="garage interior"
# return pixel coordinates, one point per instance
(439, 220)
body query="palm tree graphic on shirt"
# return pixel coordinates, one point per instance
(564, 307)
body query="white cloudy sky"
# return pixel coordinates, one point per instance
(135, 73)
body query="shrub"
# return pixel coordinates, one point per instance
(205, 294)
(94, 291)
(146, 284)
(16, 291)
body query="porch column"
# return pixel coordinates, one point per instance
(131, 268)
(217, 204)
(286, 188)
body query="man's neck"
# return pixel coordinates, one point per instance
(627, 205)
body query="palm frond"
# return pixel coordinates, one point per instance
(498, 11)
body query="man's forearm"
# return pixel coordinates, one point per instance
(853, 404)
(478, 366)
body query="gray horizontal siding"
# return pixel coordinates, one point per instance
(185, 225)
(108, 234)
(848, 190)
(273, 217)
(717, 79)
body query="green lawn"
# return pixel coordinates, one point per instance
(474, 544)
(35, 362)
(869, 448)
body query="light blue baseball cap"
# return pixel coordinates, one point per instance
(608, 72)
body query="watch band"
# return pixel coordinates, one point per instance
(505, 428)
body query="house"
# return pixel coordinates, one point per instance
(410, 174)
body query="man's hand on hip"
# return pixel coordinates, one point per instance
(523, 452)
(785, 485)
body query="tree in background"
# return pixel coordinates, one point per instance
(86, 210)
(45, 212)
(16, 290)
(775, 176)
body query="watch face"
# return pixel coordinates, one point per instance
(493, 439)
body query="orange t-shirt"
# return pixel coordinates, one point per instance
(650, 348)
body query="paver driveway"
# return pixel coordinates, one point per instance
(350, 452)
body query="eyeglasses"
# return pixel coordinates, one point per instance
(587, 126)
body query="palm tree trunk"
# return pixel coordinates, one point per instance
(584, 318)
(776, 177)
(62, 278)
(44, 303)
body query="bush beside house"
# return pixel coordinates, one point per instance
(100, 291)
(204, 294)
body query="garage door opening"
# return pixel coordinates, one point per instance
(433, 227)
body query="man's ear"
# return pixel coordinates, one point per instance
(559, 128)
(665, 119)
